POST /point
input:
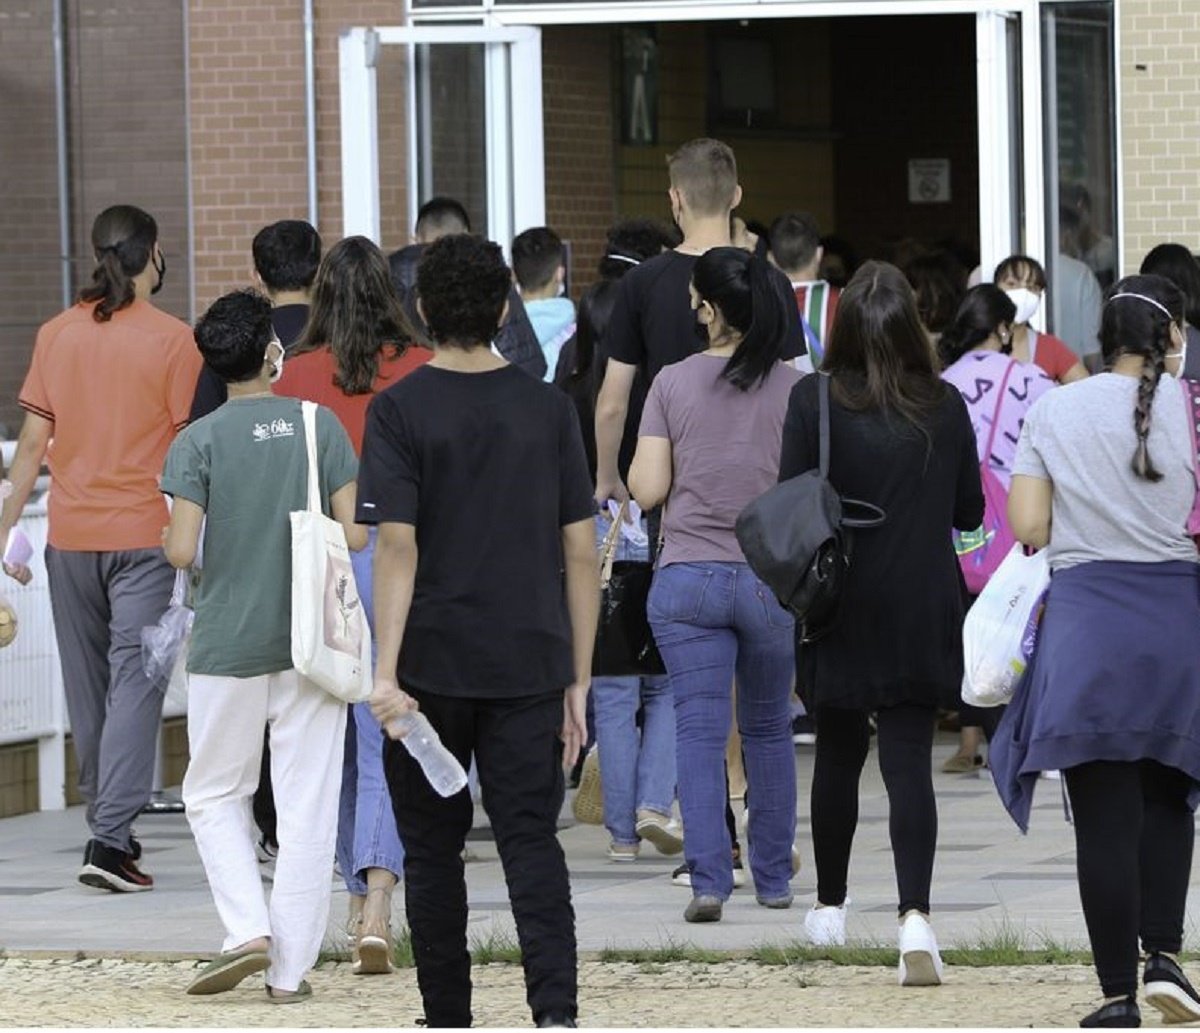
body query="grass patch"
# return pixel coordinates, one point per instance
(496, 948)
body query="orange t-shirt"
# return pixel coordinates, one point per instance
(117, 393)
(309, 376)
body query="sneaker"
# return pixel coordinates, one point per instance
(826, 926)
(556, 1020)
(661, 831)
(703, 909)
(804, 730)
(135, 848)
(682, 876)
(1169, 990)
(107, 868)
(1122, 1014)
(920, 962)
(776, 903)
(623, 852)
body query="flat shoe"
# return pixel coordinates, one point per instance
(303, 993)
(960, 765)
(225, 971)
(374, 956)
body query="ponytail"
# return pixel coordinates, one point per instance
(983, 308)
(123, 239)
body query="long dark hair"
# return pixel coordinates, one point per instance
(356, 313)
(878, 353)
(1179, 265)
(983, 308)
(123, 239)
(1135, 323)
(739, 285)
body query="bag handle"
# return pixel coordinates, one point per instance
(608, 551)
(987, 455)
(823, 423)
(309, 411)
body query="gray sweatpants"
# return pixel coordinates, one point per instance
(101, 602)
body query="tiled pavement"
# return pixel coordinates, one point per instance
(989, 878)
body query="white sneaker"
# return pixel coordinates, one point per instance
(920, 962)
(826, 926)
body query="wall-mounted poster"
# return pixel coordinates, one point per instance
(639, 86)
(929, 181)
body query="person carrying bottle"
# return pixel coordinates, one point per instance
(476, 476)
(239, 473)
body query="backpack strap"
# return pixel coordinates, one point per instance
(987, 454)
(823, 424)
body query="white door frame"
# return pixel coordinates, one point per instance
(513, 123)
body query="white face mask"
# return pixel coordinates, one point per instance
(1027, 303)
(1181, 355)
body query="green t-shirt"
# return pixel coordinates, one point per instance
(247, 467)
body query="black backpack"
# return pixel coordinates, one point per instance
(796, 537)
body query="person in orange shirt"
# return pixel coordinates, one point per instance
(109, 387)
(357, 343)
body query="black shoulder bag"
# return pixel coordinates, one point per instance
(796, 537)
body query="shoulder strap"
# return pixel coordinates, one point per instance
(823, 428)
(309, 410)
(987, 453)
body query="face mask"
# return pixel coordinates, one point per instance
(276, 367)
(160, 267)
(1027, 303)
(1181, 355)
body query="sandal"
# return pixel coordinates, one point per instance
(372, 954)
(225, 971)
(302, 993)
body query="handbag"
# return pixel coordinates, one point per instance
(795, 536)
(981, 552)
(625, 644)
(331, 642)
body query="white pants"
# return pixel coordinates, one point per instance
(226, 717)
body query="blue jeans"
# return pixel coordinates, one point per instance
(714, 622)
(367, 836)
(636, 771)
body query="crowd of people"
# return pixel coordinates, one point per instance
(478, 439)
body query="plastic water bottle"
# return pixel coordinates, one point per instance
(441, 767)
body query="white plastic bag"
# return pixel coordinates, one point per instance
(331, 642)
(164, 643)
(1000, 631)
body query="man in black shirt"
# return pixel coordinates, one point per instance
(286, 256)
(440, 217)
(476, 476)
(652, 323)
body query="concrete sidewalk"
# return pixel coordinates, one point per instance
(988, 878)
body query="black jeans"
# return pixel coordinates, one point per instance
(905, 749)
(1134, 834)
(516, 747)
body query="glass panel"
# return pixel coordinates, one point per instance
(1016, 123)
(452, 126)
(1081, 201)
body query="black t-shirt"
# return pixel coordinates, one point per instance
(653, 325)
(488, 467)
(211, 392)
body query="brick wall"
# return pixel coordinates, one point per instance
(1159, 69)
(580, 162)
(249, 149)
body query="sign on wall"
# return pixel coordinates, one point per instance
(639, 86)
(929, 181)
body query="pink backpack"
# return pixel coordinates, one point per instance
(981, 551)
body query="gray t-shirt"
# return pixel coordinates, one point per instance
(1081, 437)
(246, 466)
(725, 446)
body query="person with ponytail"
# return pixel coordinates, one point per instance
(1104, 481)
(357, 342)
(901, 439)
(111, 382)
(709, 445)
(977, 351)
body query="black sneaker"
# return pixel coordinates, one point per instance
(556, 1020)
(1168, 990)
(135, 848)
(804, 730)
(1122, 1014)
(107, 868)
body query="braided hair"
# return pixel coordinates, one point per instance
(1138, 314)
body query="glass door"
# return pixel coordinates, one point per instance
(475, 109)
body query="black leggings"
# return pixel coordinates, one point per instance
(1134, 834)
(905, 752)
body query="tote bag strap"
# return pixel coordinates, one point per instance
(309, 410)
(987, 454)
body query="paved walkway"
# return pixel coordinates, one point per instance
(989, 879)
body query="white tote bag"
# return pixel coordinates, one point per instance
(1000, 632)
(331, 642)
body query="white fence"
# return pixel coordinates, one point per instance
(31, 692)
